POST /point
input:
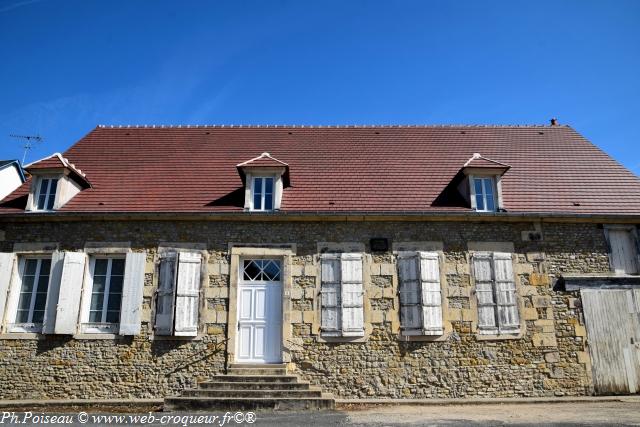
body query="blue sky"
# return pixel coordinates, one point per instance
(69, 65)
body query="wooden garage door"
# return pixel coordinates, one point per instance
(612, 318)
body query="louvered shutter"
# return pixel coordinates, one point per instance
(410, 293)
(132, 288)
(505, 291)
(330, 295)
(6, 268)
(53, 293)
(71, 281)
(482, 266)
(166, 293)
(187, 294)
(352, 294)
(431, 295)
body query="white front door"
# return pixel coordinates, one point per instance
(259, 311)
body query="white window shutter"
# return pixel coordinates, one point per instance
(352, 294)
(166, 293)
(410, 293)
(70, 292)
(431, 294)
(53, 292)
(132, 288)
(6, 268)
(187, 294)
(482, 269)
(505, 291)
(330, 295)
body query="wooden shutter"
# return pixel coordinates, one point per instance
(6, 268)
(482, 268)
(352, 294)
(53, 293)
(187, 294)
(132, 288)
(330, 295)
(70, 292)
(410, 293)
(431, 295)
(623, 251)
(166, 293)
(505, 291)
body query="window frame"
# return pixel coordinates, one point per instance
(38, 191)
(28, 327)
(494, 192)
(86, 326)
(263, 193)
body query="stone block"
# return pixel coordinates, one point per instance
(526, 291)
(222, 317)
(541, 301)
(539, 279)
(224, 268)
(530, 313)
(544, 340)
(375, 269)
(583, 357)
(296, 317)
(463, 268)
(469, 315)
(454, 315)
(377, 316)
(523, 269)
(580, 330)
(308, 316)
(552, 357)
(297, 293)
(310, 293)
(215, 330)
(387, 269)
(388, 292)
(297, 270)
(535, 256)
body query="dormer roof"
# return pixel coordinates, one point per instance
(265, 161)
(56, 162)
(477, 161)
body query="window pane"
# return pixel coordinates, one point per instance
(25, 301)
(41, 300)
(490, 204)
(257, 185)
(98, 284)
(478, 186)
(52, 193)
(113, 316)
(268, 202)
(30, 267)
(95, 316)
(38, 316)
(479, 202)
(41, 199)
(96, 301)
(115, 286)
(22, 316)
(114, 302)
(268, 185)
(100, 267)
(27, 284)
(44, 184)
(117, 267)
(257, 201)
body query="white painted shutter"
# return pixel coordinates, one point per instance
(431, 295)
(624, 254)
(166, 293)
(352, 294)
(132, 288)
(508, 318)
(187, 294)
(70, 292)
(53, 292)
(330, 295)
(482, 263)
(6, 267)
(410, 293)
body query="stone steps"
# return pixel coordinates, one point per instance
(252, 387)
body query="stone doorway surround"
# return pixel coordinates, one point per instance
(237, 251)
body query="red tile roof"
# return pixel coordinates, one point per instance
(343, 169)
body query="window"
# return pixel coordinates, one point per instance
(262, 194)
(623, 250)
(484, 191)
(177, 297)
(342, 295)
(420, 294)
(107, 276)
(46, 195)
(496, 293)
(34, 284)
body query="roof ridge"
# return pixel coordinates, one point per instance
(354, 126)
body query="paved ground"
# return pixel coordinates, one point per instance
(561, 414)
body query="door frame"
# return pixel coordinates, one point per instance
(283, 252)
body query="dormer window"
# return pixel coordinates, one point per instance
(264, 179)
(484, 194)
(46, 196)
(262, 193)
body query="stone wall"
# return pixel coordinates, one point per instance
(549, 359)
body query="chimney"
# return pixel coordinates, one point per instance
(554, 122)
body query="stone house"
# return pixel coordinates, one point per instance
(383, 261)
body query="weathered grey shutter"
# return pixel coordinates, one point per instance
(187, 294)
(330, 292)
(482, 263)
(166, 293)
(410, 293)
(70, 292)
(505, 290)
(352, 294)
(53, 293)
(132, 288)
(431, 295)
(6, 267)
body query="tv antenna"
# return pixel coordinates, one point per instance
(29, 140)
